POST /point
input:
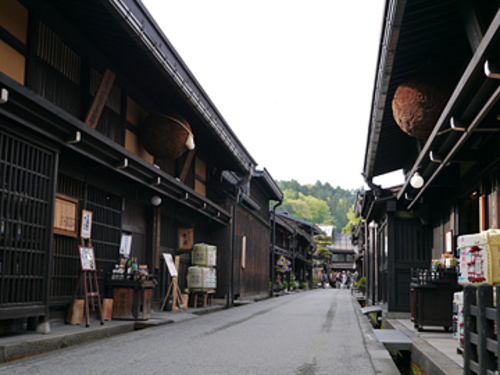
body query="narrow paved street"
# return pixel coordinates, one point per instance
(315, 332)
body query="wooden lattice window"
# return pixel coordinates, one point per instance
(26, 174)
(106, 234)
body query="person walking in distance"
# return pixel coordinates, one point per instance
(324, 278)
(332, 279)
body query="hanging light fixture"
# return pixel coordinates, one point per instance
(416, 181)
(156, 200)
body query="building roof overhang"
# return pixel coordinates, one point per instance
(462, 145)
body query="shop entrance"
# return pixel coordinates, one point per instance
(135, 223)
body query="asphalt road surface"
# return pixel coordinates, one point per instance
(310, 333)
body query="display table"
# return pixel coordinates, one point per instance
(132, 299)
(431, 298)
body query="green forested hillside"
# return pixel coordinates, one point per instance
(319, 203)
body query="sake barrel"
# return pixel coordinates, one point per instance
(201, 278)
(492, 258)
(472, 253)
(204, 255)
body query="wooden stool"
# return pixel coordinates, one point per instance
(202, 297)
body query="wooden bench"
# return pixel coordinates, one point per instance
(202, 298)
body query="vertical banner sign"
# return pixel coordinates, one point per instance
(126, 245)
(86, 224)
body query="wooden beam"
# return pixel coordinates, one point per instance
(100, 99)
(187, 164)
(482, 213)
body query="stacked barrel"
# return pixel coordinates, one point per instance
(479, 256)
(201, 275)
(479, 263)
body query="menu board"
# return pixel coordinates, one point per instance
(170, 264)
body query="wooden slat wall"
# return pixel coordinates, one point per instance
(254, 278)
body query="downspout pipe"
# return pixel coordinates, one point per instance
(312, 259)
(273, 246)
(294, 249)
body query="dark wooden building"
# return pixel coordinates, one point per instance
(437, 60)
(250, 273)
(295, 241)
(85, 87)
(343, 254)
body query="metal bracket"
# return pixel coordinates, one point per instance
(454, 124)
(156, 182)
(491, 70)
(4, 96)
(77, 138)
(435, 158)
(124, 164)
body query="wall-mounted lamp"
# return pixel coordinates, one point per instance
(155, 200)
(417, 181)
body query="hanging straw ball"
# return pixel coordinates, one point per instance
(418, 103)
(166, 136)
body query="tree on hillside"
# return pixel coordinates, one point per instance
(319, 210)
(296, 205)
(352, 221)
(321, 248)
(311, 202)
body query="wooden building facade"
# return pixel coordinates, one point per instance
(80, 82)
(446, 54)
(295, 241)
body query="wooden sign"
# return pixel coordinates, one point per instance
(65, 216)
(174, 286)
(86, 224)
(87, 258)
(170, 264)
(185, 238)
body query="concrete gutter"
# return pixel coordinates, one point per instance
(380, 357)
(428, 359)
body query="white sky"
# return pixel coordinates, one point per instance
(293, 79)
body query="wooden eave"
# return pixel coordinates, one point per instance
(121, 34)
(25, 109)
